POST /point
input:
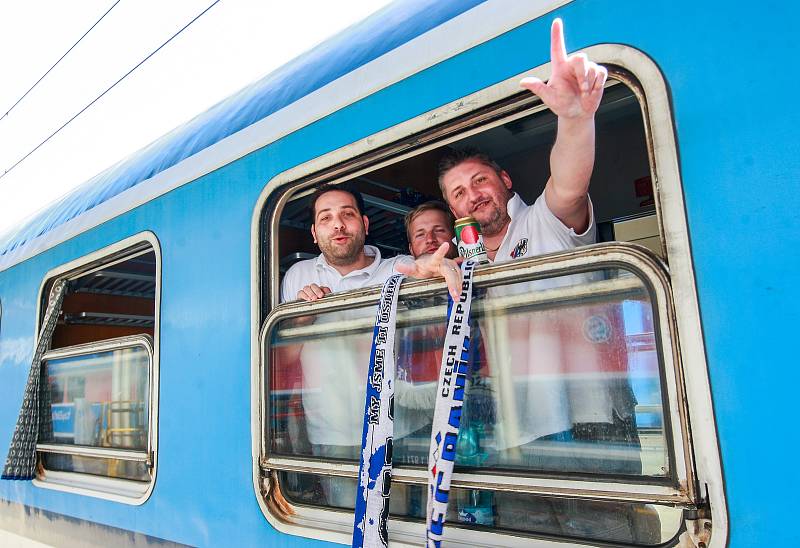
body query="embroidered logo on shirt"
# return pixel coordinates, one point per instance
(520, 249)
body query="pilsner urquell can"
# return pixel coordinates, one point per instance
(470, 240)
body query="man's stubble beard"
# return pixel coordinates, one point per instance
(338, 256)
(497, 220)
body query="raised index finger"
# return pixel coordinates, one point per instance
(558, 49)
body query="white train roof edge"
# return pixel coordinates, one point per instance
(146, 174)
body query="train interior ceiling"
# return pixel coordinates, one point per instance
(114, 300)
(620, 189)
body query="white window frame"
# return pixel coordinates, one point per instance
(628, 257)
(688, 388)
(114, 489)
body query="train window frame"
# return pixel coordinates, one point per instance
(642, 489)
(125, 491)
(687, 391)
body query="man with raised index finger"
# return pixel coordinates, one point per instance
(561, 218)
(555, 392)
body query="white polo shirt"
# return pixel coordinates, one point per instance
(534, 230)
(528, 361)
(335, 368)
(318, 271)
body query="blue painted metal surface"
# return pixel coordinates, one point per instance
(735, 110)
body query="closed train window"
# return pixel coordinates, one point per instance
(102, 375)
(574, 425)
(555, 354)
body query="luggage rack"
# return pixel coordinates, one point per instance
(111, 282)
(110, 319)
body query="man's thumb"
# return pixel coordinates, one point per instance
(536, 86)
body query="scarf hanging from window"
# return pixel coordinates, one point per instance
(375, 469)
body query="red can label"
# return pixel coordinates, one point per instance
(470, 240)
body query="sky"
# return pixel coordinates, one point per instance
(233, 44)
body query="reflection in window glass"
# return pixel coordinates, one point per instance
(553, 386)
(107, 467)
(564, 371)
(100, 399)
(514, 513)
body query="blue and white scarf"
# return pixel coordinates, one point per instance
(449, 404)
(375, 469)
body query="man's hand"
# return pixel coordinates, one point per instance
(573, 93)
(575, 87)
(313, 292)
(435, 264)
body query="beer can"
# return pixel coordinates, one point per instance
(470, 240)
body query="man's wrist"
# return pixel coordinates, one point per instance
(580, 121)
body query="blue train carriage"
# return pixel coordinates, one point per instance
(161, 277)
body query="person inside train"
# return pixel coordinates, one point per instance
(339, 228)
(419, 358)
(419, 345)
(332, 409)
(558, 385)
(555, 389)
(560, 219)
(428, 226)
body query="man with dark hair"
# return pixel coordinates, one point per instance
(334, 368)
(558, 375)
(473, 184)
(348, 187)
(340, 228)
(554, 371)
(560, 219)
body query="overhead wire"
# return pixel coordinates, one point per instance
(42, 77)
(112, 86)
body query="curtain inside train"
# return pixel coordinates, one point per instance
(35, 417)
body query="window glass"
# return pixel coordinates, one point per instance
(554, 385)
(100, 371)
(104, 467)
(564, 370)
(515, 513)
(100, 399)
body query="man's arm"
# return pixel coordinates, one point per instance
(573, 93)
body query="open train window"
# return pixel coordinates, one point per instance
(621, 187)
(607, 311)
(101, 372)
